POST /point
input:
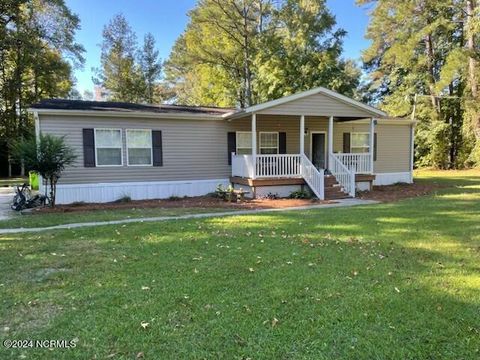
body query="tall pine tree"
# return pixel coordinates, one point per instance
(418, 56)
(119, 72)
(151, 68)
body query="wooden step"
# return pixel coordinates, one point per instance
(333, 190)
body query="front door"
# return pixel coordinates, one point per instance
(318, 150)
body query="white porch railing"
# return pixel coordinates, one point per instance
(313, 177)
(272, 166)
(344, 175)
(242, 166)
(267, 166)
(279, 165)
(360, 163)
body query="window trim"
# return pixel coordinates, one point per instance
(101, 147)
(260, 142)
(236, 141)
(151, 147)
(360, 147)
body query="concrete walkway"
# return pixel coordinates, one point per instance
(339, 203)
(6, 196)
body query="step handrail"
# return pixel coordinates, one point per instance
(313, 177)
(344, 175)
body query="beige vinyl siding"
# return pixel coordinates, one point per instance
(393, 153)
(393, 145)
(317, 105)
(192, 149)
(197, 149)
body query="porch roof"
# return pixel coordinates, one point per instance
(317, 101)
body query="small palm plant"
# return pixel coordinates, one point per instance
(49, 156)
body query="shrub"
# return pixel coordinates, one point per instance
(49, 156)
(175, 198)
(272, 196)
(300, 194)
(124, 199)
(227, 194)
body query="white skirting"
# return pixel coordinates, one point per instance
(106, 192)
(392, 178)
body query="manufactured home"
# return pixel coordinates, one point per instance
(317, 139)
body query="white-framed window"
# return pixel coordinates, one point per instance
(139, 147)
(268, 142)
(108, 147)
(359, 142)
(244, 143)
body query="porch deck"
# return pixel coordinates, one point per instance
(297, 169)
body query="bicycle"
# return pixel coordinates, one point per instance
(23, 199)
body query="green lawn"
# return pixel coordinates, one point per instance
(388, 281)
(18, 220)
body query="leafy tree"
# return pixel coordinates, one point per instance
(303, 52)
(37, 54)
(212, 61)
(49, 157)
(241, 52)
(418, 57)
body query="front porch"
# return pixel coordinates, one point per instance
(319, 161)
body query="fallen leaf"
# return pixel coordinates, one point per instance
(145, 288)
(274, 322)
(144, 324)
(397, 290)
(251, 270)
(140, 355)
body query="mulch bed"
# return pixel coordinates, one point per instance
(387, 193)
(391, 193)
(192, 202)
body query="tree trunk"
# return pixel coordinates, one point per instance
(246, 54)
(431, 72)
(472, 68)
(472, 63)
(53, 188)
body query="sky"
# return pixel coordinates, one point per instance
(166, 20)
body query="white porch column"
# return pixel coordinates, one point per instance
(372, 142)
(330, 135)
(302, 134)
(254, 144)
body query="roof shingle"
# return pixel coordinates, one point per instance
(65, 104)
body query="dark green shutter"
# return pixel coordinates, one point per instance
(231, 145)
(282, 143)
(157, 148)
(346, 142)
(88, 148)
(375, 146)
